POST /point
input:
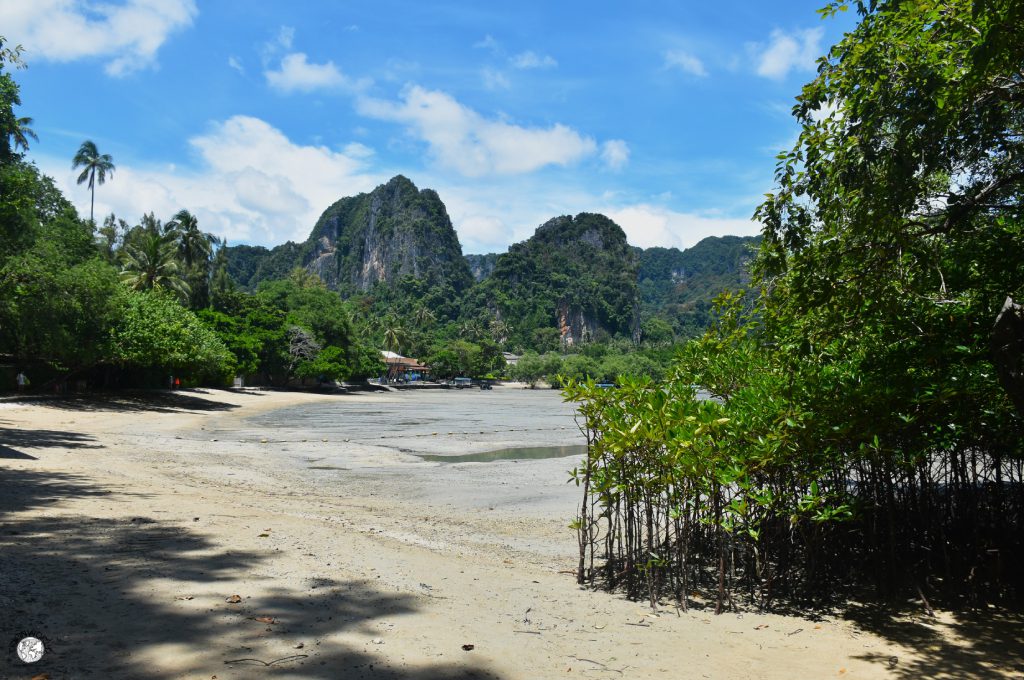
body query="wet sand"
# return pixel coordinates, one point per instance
(128, 523)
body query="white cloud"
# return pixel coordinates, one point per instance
(531, 60)
(494, 80)
(236, 63)
(646, 226)
(282, 41)
(483, 234)
(129, 34)
(488, 43)
(297, 74)
(253, 184)
(685, 62)
(615, 154)
(786, 52)
(489, 216)
(357, 150)
(463, 140)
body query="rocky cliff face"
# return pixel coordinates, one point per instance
(393, 232)
(575, 280)
(481, 266)
(575, 274)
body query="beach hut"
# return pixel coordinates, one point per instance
(404, 369)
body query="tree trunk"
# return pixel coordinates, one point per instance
(1008, 351)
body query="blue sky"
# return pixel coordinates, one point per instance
(665, 116)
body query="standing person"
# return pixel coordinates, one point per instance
(22, 381)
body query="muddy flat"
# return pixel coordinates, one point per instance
(421, 534)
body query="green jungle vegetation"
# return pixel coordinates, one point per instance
(865, 435)
(680, 286)
(121, 304)
(576, 271)
(573, 266)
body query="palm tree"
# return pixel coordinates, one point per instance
(423, 316)
(151, 262)
(394, 336)
(499, 331)
(95, 170)
(221, 282)
(470, 330)
(194, 246)
(21, 133)
(195, 250)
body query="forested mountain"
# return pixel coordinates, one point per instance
(679, 285)
(481, 266)
(248, 265)
(395, 231)
(575, 280)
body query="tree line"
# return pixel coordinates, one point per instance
(135, 304)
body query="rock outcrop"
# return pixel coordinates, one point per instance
(575, 274)
(481, 266)
(393, 232)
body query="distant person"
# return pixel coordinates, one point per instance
(22, 381)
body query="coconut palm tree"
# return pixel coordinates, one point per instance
(394, 336)
(471, 330)
(423, 316)
(195, 250)
(221, 282)
(95, 168)
(194, 246)
(499, 331)
(20, 134)
(151, 262)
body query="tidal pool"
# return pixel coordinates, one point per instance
(516, 453)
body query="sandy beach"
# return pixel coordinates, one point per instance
(215, 534)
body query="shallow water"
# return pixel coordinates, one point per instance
(517, 453)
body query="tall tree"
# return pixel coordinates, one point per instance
(423, 316)
(221, 283)
(10, 96)
(95, 167)
(395, 336)
(21, 134)
(195, 250)
(151, 263)
(194, 246)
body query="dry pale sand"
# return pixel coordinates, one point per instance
(127, 523)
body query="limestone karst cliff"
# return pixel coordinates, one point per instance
(380, 237)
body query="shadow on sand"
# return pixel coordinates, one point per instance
(13, 440)
(984, 644)
(83, 585)
(44, 439)
(156, 401)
